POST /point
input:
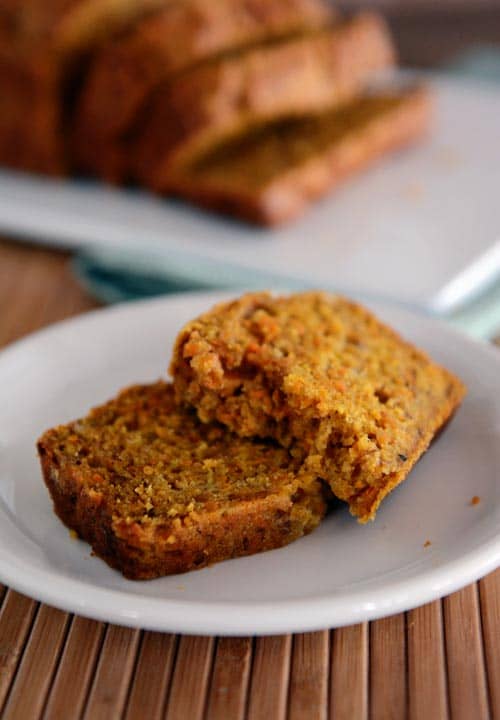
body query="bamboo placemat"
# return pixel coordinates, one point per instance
(439, 661)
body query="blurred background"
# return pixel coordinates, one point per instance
(431, 33)
(454, 37)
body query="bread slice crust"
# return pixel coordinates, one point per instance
(155, 492)
(124, 73)
(273, 176)
(229, 97)
(42, 47)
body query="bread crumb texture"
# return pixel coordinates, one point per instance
(155, 491)
(326, 379)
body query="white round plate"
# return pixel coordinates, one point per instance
(342, 573)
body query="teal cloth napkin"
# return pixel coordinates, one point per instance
(117, 276)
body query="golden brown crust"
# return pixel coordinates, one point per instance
(227, 98)
(325, 378)
(40, 48)
(155, 492)
(274, 177)
(124, 74)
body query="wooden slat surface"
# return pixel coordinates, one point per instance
(464, 656)
(229, 687)
(191, 675)
(438, 662)
(308, 695)
(149, 690)
(388, 676)
(113, 673)
(47, 639)
(76, 669)
(427, 695)
(270, 678)
(15, 623)
(489, 591)
(349, 673)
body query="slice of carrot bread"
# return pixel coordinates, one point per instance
(124, 73)
(231, 96)
(42, 43)
(155, 492)
(326, 379)
(271, 176)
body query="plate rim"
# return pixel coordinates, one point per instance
(269, 618)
